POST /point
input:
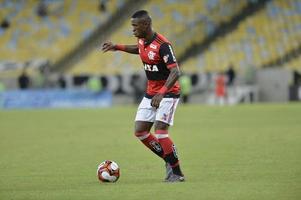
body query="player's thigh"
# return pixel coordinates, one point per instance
(141, 126)
(165, 113)
(145, 112)
(161, 125)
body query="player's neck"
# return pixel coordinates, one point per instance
(149, 36)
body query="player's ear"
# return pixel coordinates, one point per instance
(146, 22)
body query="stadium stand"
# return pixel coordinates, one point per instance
(260, 39)
(48, 29)
(269, 37)
(172, 18)
(294, 64)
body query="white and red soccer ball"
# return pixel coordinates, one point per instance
(108, 171)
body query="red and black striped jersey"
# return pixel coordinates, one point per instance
(158, 58)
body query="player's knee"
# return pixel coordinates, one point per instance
(161, 125)
(142, 127)
(139, 131)
(142, 134)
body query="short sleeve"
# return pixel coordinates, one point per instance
(168, 56)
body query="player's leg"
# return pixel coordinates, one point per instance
(144, 120)
(164, 119)
(169, 148)
(142, 132)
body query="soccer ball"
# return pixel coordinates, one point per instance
(108, 171)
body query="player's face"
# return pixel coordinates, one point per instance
(139, 27)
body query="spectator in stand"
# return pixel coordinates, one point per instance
(2, 87)
(220, 89)
(94, 84)
(42, 9)
(4, 24)
(138, 84)
(24, 80)
(231, 75)
(61, 81)
(185, 83)
(102, 5)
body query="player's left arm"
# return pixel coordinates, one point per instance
(172, 78)
(168, 56)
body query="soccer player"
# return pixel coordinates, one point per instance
(162, 93)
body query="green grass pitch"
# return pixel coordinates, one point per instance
(237, 152)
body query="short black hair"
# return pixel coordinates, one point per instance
(140, 13)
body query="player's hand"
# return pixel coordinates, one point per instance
(156, 100)
(108, 46)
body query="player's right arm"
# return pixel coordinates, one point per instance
(109, 46)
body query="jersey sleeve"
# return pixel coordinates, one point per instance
(168, 56)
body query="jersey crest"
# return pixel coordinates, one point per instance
(151, 55)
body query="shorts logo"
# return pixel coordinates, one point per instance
(151, 55)
(164, 117)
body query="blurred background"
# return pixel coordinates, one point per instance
(230, 51)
